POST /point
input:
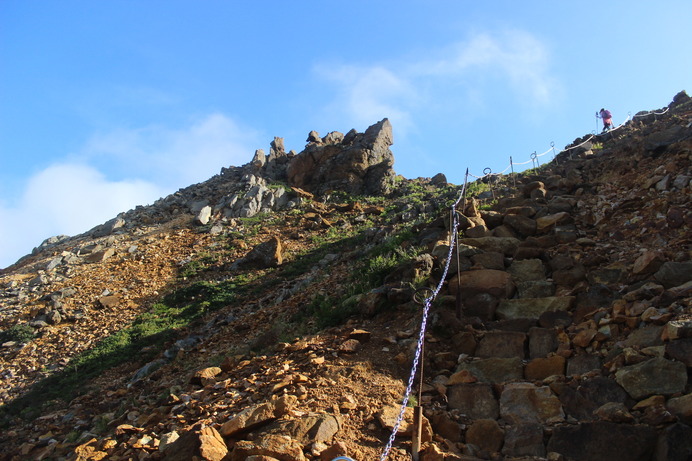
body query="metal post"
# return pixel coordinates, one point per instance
(418, 409)
(466, 181)
(458, 297)
(486, 173)
(417, 432)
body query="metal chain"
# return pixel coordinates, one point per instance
(552, 148)
(421, 334)
(652, 112)
(431, 298)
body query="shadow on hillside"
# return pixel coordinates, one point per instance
(181, 309)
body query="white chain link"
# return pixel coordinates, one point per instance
(651, 112)
(574, 147)
(431, 298)
(421, 334)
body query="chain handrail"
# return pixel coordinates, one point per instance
(453, 241)
(652, 112)
(552, 145)
(424, 321)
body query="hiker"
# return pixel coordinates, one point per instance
(607, 119)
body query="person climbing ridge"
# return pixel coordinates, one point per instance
(607, 118)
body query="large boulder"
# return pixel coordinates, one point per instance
(198, 443)
(266, 254)
(656, 376)
(359, 163)
(603, 441)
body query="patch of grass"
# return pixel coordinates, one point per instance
(21, 333)
(261, 219)
(338, 196)
(332, 310)
(382, 262)
(332, 235)
(73, 437)
(280, 332)
(208, 260)
(476, 188)
(333, 241)
(326, 311)
(276, 185)
(487, 205)
(191, 269)
(140, 341)
(377, 268)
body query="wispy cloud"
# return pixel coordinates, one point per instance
(174, 157)
(66, 199)
(517, 56)
(471, 71)
(368, 94)
(116, 171)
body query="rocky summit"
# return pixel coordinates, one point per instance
(274, 312)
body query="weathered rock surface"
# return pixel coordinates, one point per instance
(655, 376)
(562, 330)
(603, 441)
(357, 164)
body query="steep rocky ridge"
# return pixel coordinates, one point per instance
(269, 311)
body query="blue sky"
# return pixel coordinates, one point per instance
(105, 105)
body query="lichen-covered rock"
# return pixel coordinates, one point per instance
(655, 376)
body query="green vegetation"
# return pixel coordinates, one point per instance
(328, 311)
(142, 340)
(280, 331)
(253, 224)
(331, 310)
(334, 240)
(276, 185)
(202, 263)
(185, 306)
(380, 265)
(476, 188)
(21, 333)
(487, 205)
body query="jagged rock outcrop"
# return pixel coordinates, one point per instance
(562, 331)
(356, 163)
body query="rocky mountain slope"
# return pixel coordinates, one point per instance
(273, 312)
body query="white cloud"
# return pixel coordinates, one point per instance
(174, 157)
(461, 75)
(115, 172)
(369, 94)
(517, 55)
(66, 199)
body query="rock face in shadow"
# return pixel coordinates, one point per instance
(358, 163)
(561, 330)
